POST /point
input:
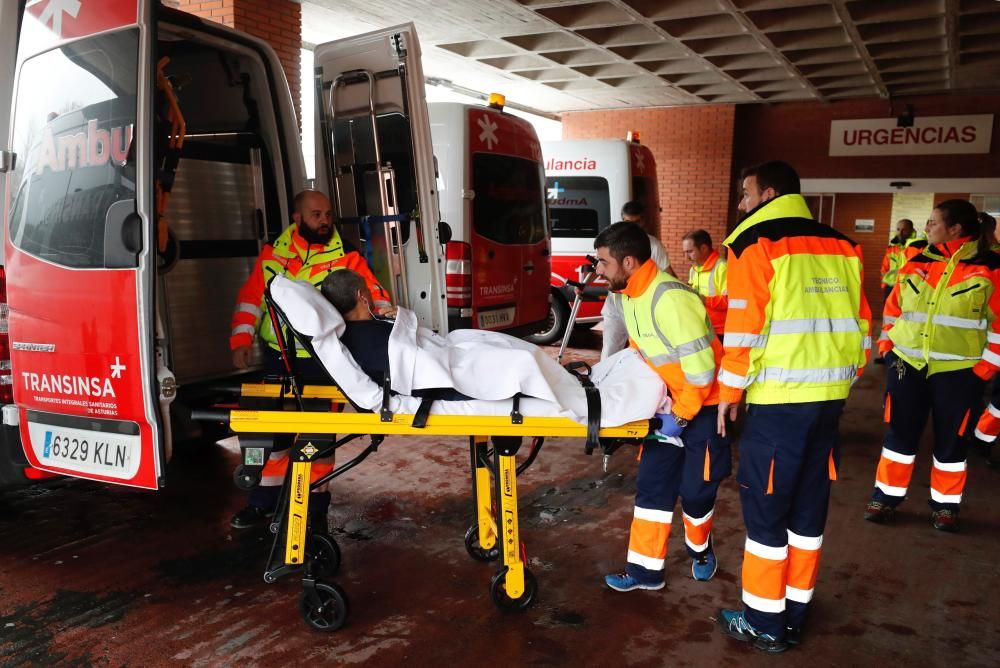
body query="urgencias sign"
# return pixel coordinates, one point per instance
(929, 135)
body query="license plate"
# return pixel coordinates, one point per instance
(498, 318)
(85, 450)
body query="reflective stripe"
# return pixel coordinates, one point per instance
(888, 320)
(994, 411)
(798, 595)
(738, 303)
(945, 498)
(763, 604)
(805, 542)
(866, 343)
(988, 438)
(896, 457)
(695, 546)
(912, 352)
(696, 346)
(991, 357)
(993, 337)
(659, 360)
(698, 521)
(651, 563)
(956, 467)
(650, 515)
(766, 551)
(827, 375)
(934, 355)
(249, 308)
(244, 329)
(884, 336)
(954, 321)
(813, 325)
(732, 380)
(914, 316)
(700, 379)
(740, 340)
(889, 490)
(711, 278)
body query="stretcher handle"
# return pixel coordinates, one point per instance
(211, 415)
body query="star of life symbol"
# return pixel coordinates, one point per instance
(555, 190)
(54, 11)
(489, 132)
(640, 161)
(309, 450)
(117, 368)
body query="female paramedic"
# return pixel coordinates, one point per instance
(941, 340)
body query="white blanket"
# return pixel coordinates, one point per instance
(489, 366)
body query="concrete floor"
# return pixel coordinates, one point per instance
(96, 575)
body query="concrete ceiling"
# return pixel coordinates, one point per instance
(562, 55)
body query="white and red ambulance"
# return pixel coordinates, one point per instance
(113, 320)
(588, 182)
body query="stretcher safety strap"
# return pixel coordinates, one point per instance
(420, 417)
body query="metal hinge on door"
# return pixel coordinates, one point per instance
(7, 161)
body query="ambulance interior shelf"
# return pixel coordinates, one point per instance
(311, 550)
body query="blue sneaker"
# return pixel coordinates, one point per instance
(625, 582)
(734, 624)
(704, 567)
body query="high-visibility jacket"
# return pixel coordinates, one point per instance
(668, 325)
(942, 314)
(709, 279)
(894, 259)
(292, 256)
(798, 327)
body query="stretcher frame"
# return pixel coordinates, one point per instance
(324, 606)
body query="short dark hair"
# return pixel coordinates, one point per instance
(623, 240)
(774, 174)
(633, 208)
(699, 238)
(341, 289)
(960, 212)
(905, 220)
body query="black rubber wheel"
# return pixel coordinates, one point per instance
(331, 612)
(477, 551)
(324, 552)
(555, 323)
(498, 592)
(245, 480)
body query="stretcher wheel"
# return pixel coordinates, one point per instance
(244, 478)
(477, 551)
(324, 552)
(498, 592)
(327, 610)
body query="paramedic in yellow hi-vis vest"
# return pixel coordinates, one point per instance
(941, 340)
(707, 275)
(309, 250)
(798, 333)
(895, 254)
(668, 325)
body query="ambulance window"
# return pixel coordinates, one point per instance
(73, 135)
(508, 207)
(579, 206)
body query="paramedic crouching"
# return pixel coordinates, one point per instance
(309, 250)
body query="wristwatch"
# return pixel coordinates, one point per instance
(681, 422)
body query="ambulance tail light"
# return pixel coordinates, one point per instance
(458, 274)
(6, 379)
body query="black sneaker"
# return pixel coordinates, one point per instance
(945, 520)
(734, 624)
(879, 513)
(249, 517)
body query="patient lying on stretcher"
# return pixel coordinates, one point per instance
(486, 369)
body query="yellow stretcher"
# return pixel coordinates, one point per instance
(273, 412)
(299, 546)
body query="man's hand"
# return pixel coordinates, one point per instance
(669, 426)
(724, 408)
(388, 312)
(241, 357)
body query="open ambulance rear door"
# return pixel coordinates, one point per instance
(375, 158)
(80, 244)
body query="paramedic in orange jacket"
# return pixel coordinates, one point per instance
(309, 250)
(668, 325)
(707, 276)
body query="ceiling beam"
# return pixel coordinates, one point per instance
(840, 6)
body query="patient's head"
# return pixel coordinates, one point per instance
(349, 294)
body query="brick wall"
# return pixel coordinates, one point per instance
(877, 206)
(277, 22)
(693, 149)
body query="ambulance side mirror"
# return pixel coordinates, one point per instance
(444, 232)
